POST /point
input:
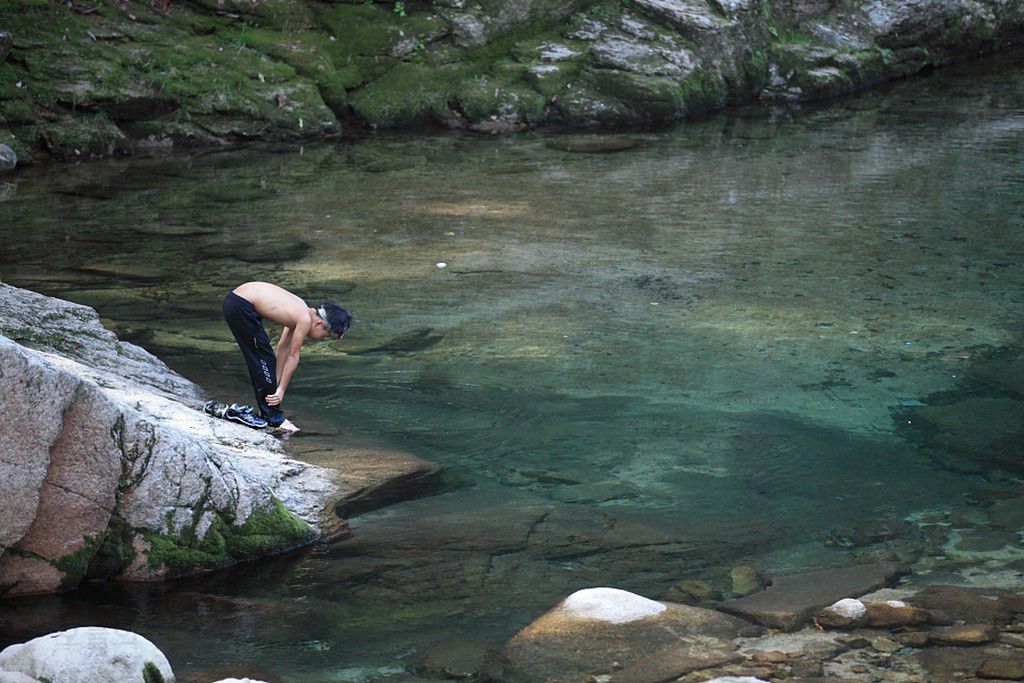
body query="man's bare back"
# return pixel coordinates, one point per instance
(275, 303)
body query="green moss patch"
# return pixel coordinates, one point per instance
(266, 532)
(84, 138)
(408, 95)
(114, 552)
(76, 565)
(151, 673)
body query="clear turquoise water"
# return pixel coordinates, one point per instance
(636, 368)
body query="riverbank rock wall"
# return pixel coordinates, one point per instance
(108, 469)
(79, 80)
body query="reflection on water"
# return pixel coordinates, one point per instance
(637, 368)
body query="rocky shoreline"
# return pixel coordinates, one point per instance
(111, 471)
(79, 82)
(602, 635)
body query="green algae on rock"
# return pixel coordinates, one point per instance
(268, 531)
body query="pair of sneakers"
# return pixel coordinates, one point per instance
(245, 415)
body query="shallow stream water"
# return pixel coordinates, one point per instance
(636, 367)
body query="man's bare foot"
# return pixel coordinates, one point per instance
(286, 427)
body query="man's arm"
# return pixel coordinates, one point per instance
(286, 365)
(283, 346)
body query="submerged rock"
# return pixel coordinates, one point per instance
(971, 605)
(592, 144)
(452, 659)
(894, 614)
(370, 478)
(791, 600)
(87, 655)
(1001, 669)
(968, 634)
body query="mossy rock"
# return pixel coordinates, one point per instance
(84, 138)
(75, 566)
(266, 532)
(408, 95)
(304, 51)
(114, 552)
(373, 30)
(17, 113)
(704, 91)
(644, 98)
(284, 14)
(485, 98)
(21, 150)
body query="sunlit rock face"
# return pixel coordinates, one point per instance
(109, 469)
(109, 83)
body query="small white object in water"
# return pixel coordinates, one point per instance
(611, 604)
(895, 603)
(442, 264)
(849, 608)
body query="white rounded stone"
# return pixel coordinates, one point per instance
(86, 655)
(737, 679)
(849, 608)
(442, 264)
(610, 604)
(895, 603)
(239, 680)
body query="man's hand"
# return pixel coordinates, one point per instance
(275, 398)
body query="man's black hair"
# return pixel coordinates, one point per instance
(336, 317)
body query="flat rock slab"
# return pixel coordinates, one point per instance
(371, 478)
(968, 604)
(791, 600)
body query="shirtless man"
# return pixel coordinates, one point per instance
(244, 310)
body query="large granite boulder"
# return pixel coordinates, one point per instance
(609, 632)
(108, 468)
(88, 655)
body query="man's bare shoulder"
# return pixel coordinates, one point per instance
(274, 302)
